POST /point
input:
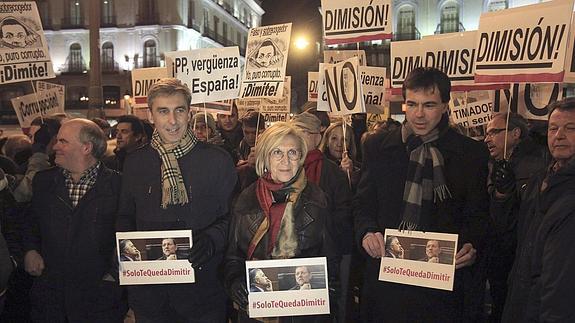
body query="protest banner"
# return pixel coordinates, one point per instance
(221, 107)
(265, 69)
(523, 44)
(44, 86)
(570, 53)
(353, 21)
(476, 111)
(154, 257)
(275, 110)
(287, 287)
(374, 118)
(336, 56)
(408, 261)
(211, 74)
(528, 100)
(245, 105)
(31, 106)
(343, 87)
(24, 51)
(322, 103)
(142, 80)
(373, 88)
(312, 86)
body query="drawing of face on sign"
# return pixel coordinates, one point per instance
(267, 54)
(16, 34)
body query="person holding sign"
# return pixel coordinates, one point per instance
(418, 178)
(543, 275)
(342, 152)
(170, 185)
(280, 216)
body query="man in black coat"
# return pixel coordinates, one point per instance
(177, 183)
(543, 274)
(69, 240)
(452, 195)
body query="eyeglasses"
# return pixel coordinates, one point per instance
(292, 154)
(494, 132)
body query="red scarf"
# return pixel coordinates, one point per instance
(313, 164)
(274, 213)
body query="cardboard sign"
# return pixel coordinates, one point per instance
(267, 54)
(336, 56)
(352, 21)
(452, 53)
(312, 86)
(142, 80)
(528, 100)
(221, 107)
(343, 86)
(287, 287)
(471, 110)
(154, 257)
(31, 106)
(44, 86)
(373, 88)
(275, 110)
(524, 44)
(407, 260)
(211, 74)
(24, 51)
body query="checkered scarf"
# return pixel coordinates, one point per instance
(425, 182)
(173, 187)
(87, 180)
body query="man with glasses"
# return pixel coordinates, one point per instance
(543, 275)
(515, 158)
(423, 176)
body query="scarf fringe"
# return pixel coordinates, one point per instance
(441, 193)
(407, 226)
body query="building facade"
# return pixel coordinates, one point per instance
(133, 34)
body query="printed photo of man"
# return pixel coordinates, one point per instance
(259, 282)
(169, 249)
(128, 251)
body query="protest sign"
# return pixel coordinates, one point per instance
(312, 86)
(336, 56)
(343, 87)
(44, 86)
(374, 118)
(451, 53)
(275, 110)
(528, 100)
(267, 53)
(408, 261)
(211, 74)
(287, 287)
(24, 51)
(570, 53)
(142, 80)
(31, 106)
(221, 107)
(352, 21)
(472, 109)
(373, 88)
(154, 257)
(245, 105)
(523, 44)
(322, 103)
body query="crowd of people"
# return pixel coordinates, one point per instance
(304, 188)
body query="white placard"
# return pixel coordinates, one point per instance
(477, 111)
(293, 287)
(31, 106)
(312, 86)
(211, 74)
(24, 51)
(523, 44)
(336, 56)
(373, 88)
(570, 53)
(143, 260)
(343, 87)
(266, 55)
(528, 100)
(409, 262)
(353, 21)
(275, 110)
(221, 107)
(43, 86)
(322, 103)
(142, 80)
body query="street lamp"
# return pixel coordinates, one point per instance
(127, 104)
(301, 42)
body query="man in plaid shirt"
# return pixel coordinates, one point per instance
(70, 232)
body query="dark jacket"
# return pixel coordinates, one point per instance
(378, 205)
(78, 248)
(543, 275)
(209, 176)
(314, 237)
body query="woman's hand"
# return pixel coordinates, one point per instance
(346, 163)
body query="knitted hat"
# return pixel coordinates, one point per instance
(201, 118)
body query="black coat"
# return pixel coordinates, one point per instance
(209, 176)
(378, 205)
(543, 275)
(315, 239)
(78, 248)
